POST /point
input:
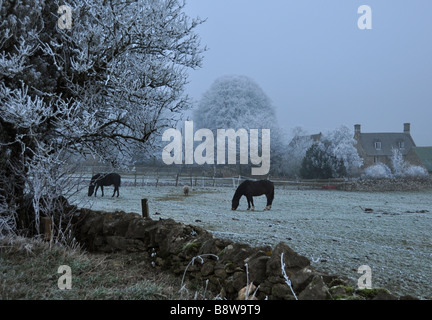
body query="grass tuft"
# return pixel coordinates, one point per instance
(28, 269)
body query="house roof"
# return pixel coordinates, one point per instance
(303, 139)
(388, 142)
(425, 155)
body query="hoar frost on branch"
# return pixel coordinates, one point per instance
(104, 87)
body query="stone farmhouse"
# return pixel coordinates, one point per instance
(377, 147)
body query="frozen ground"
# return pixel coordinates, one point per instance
(329, 227)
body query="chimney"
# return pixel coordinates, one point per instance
(357, 130)
(407, 128)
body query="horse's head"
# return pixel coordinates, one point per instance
(91, 190)
(93, 182)
(234, 204)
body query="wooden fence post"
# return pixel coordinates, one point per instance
(47, 222)
(145, 208)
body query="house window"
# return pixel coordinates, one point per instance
(377, 145)
(401, 144)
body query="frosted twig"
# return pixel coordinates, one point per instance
(287, 280)
(249, 286)
(182, 286)
(247, 283)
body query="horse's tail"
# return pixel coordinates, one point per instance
(272, 194)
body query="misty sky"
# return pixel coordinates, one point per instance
(319, 69)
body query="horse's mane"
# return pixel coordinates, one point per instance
(237, 195)
(95, 177)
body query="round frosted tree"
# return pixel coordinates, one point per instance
(238, 102)
(235, 102)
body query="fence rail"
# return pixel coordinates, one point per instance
(149, 176)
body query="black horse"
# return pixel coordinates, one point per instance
(104, 179)
(251, 189)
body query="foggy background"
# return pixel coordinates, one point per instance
(318, 68)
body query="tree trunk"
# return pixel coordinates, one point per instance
(12, 176)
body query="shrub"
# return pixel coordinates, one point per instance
(415, 171)
(378, 171)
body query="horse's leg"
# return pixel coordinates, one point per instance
(268, 206)
(102, 191)
(270, 198)
(97, 187)
(116, 188)
(250, 201)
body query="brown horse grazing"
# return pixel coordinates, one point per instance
(104, 179)
(251, 189)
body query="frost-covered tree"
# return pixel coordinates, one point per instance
(341, 144)
(104, 86)
(334, 154)
(398, 163)
(235, 102)
(300, 142)
(318, 163)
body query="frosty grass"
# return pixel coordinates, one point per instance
(331, 228)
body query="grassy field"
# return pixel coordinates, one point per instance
(29, 271)
(331, 228)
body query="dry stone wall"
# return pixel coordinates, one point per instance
(225, 265)
(387, 184)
